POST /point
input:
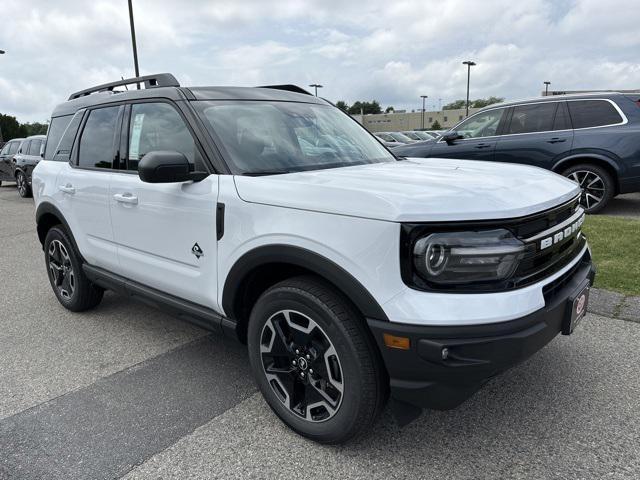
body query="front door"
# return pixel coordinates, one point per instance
(166, 233)
(479, 137)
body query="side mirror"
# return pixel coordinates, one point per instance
(167, 167)
(451, 137)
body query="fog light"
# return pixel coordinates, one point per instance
(392, 341)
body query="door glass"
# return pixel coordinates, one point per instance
(56, 129)
(34, 147)
(14, 147)
(24, 149)
(96, 143)
(536, 117)
(562, 121)
(158, 126)
(481, 125)
(593, 113)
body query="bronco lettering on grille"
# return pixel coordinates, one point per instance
(563, 234)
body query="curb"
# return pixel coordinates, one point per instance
(614, 305)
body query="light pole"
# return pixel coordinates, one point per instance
(546, 88)
(423, 97)
(133, 42)
(469, 64)
(316, 86)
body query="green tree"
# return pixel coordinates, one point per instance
(479, 103)
(436, 126)
(390, 109)
(342, 105)
(365, 107)
(36, 128)
(11, 128)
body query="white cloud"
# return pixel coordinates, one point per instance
(376, 49)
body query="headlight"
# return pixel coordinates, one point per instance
(467, 257)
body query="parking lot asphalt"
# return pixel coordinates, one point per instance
(127, 391)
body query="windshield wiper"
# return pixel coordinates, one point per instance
(260, 173)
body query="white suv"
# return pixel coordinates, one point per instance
(269, 215)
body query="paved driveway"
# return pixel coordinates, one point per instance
(627, 205)
(126, 391)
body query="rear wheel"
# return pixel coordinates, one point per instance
(314, 361)
(596, 184)
(70, 285)
(24, 189)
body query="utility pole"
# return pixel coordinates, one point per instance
(316, 86)
(469, 64)
(546, 88)
(424, 97)
(133, 41)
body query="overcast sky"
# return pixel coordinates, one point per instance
(389, 50)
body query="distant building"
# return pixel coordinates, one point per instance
(398, 121)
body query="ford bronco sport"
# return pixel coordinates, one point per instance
(269, 215)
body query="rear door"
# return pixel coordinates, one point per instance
(6, 155)
(32, 157)
(480, 136)
(83, 185)
(536, 134)
(165, 232)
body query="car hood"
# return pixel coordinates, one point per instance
(415, 190)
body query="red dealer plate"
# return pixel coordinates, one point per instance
(578, 309)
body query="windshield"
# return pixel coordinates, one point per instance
(400, 137)
(413, 135)
(281, 137)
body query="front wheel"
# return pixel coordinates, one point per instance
(314, 361)
(596, 184)
(24, 189)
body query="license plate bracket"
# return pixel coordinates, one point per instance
(576, 308)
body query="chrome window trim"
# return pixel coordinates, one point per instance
(625, 120)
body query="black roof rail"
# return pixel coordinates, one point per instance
(150, 81)
(288, 88)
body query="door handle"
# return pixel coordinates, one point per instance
(557, 140)
(126, 198)
(68, 188)
(483, 145)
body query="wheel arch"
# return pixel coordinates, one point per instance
(597, 159)
(260, 268)
(48, 216)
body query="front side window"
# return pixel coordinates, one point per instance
(483, 124)
(56, 128)
(536, 117)
(96, 144)
(158, 126)
(24, 148)
(593, 113)
(281, 137)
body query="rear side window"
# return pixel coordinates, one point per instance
(536, 117)
(593, 113)
(56, 129)
(96, 143)
(34, 147)
(24, 148)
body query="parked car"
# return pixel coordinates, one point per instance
(25, 160)
(592, 139)
(419, 135)
(7, 153)
(349, 274)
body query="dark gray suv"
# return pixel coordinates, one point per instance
(593, 139)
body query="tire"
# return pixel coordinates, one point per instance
(596, 183)
(353, 380)
(69, 283)
(24, 189)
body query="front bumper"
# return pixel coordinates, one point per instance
(420, 376)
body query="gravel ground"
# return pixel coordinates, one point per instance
(126, 391)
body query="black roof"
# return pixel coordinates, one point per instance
(165, 86)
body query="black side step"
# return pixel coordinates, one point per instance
(203, 317)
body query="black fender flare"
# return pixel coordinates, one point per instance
(307, 259)
(558, 166)
(46, 209)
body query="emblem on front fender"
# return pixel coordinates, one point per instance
(197, 251)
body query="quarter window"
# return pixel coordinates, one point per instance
(593, 113)
(537, 117)
(481, 125)
(158, 126)
(96, 143)
(56, 129)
